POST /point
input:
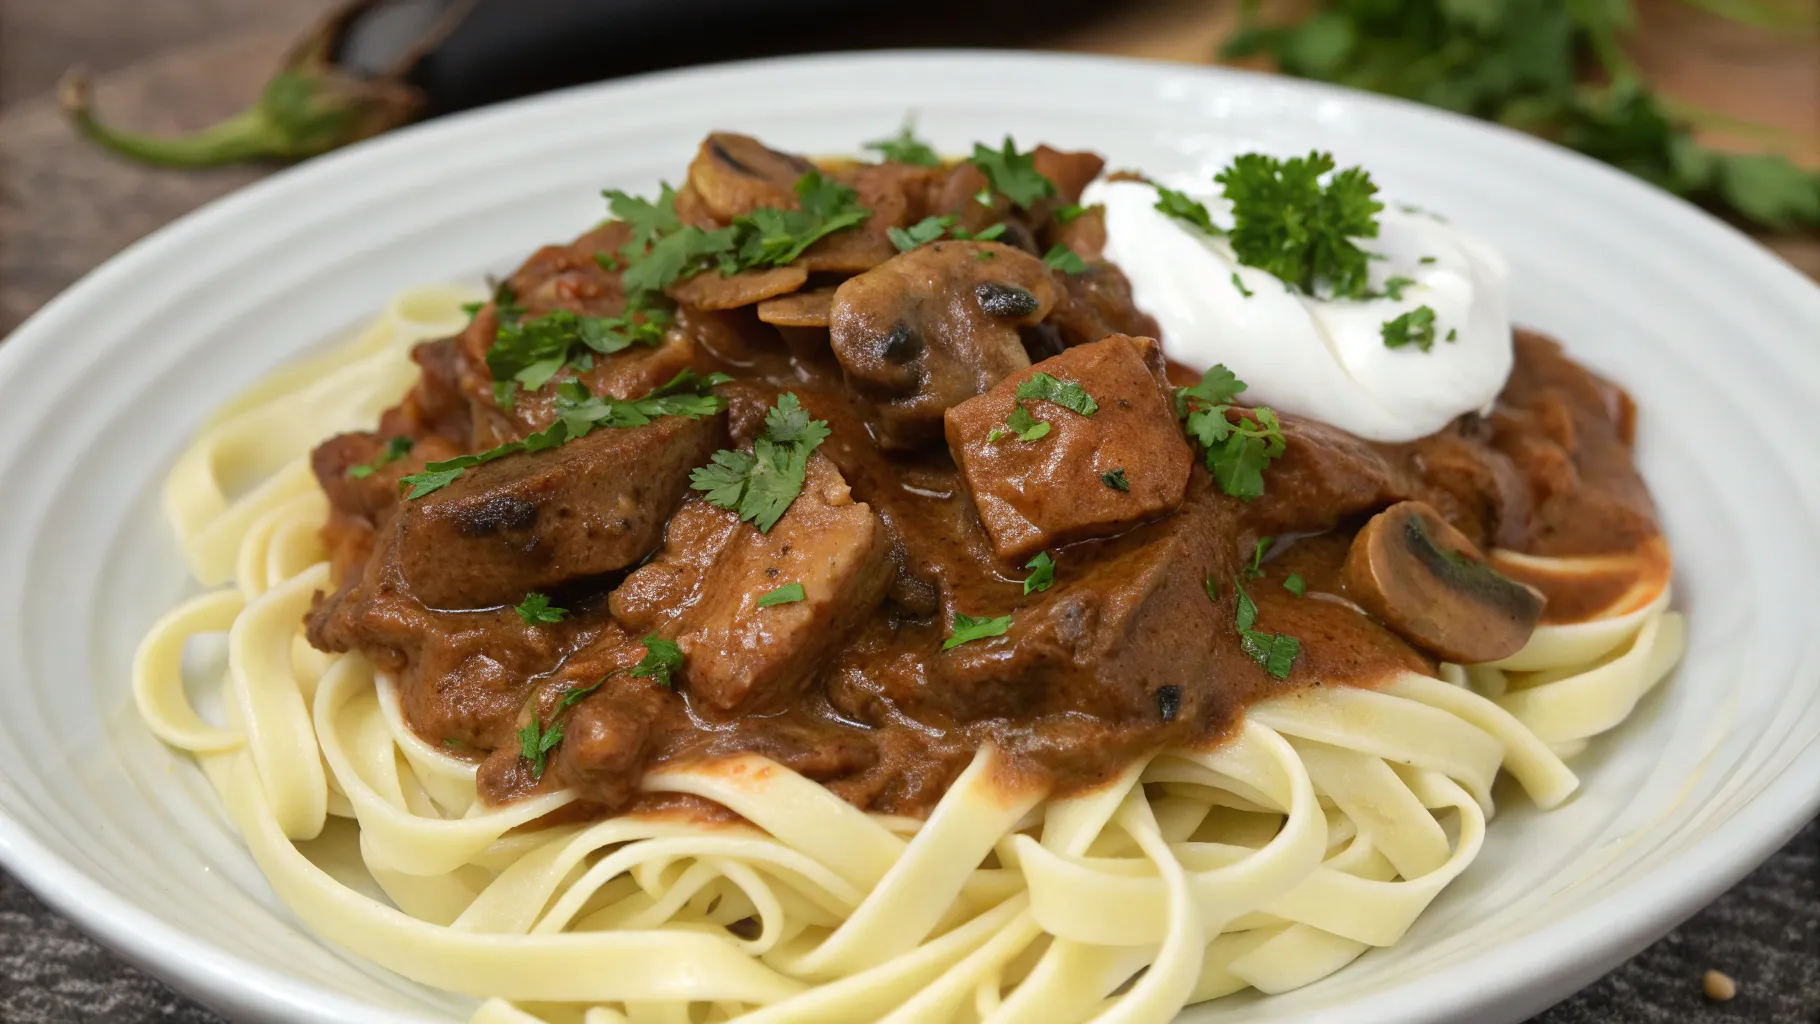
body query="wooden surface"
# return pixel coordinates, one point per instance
(167, 65)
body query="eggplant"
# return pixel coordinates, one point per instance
(372, 65)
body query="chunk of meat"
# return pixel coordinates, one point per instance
(704, 590)
(733, 175)
(897, 196)
(532, 521)
(1088, 476)
(1069, 171)
(1326, 475)
(1097, 302)
(934, 327)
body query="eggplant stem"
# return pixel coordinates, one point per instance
(248, 135)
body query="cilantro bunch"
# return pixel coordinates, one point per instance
(761, 484)
(1237, 448)
(1526, 64)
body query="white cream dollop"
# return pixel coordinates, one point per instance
(1321, 358)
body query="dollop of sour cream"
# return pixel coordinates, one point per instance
(1322, 358)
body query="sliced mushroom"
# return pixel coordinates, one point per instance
(801, 309)
(736, 174)
(712, 290)
(1422, 578)
(933, 327)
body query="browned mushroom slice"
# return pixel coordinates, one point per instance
(736, 174)
(1421, 577)
(801, 309)
(712, 290)
(933, 327)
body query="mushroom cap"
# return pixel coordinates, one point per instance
(1422, 578)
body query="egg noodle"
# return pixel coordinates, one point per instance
(1321, 828)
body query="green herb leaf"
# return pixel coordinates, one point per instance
(648, 220)
(921, 233)
(1068, 214)
(1065, 393)
(535, 744)
(1060, 257)
(1394, 287)
(905, 147)
(761, 484)
(1240, 285)
(1115, 479)
(1042, 573)
(789, 593)
(1020, 424)
(1295, 584)
(574, 695)
(662, 659)
(395, 449)
(452, 741)
(1287, 222)
(1012, 174)
(1416, 327)
(536, 608)
(967, 629)
(1212, 588)
(1275, 652)
(1185, 209)
(1257, 559)
(1237, 451)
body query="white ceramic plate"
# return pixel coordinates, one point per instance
(1718, 341)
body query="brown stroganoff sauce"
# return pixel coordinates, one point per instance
(910, 359)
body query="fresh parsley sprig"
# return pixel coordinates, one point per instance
(1012, 174)
(1416, 327)
(921, 233)
(967, 629)
(1065, 393)
(761, 484)
(395, 449)
(1182, 207)
(1060, 257)
(528, 353)
(1237, 449)
(1287, 221)
(661, 661)
(789, 593)
(535, 743)
(905, 147)
(536, 609)
(1275, 652)
(1042, 573)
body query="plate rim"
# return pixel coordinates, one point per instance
(1630, 913)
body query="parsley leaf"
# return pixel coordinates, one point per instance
(789, 593)
(1184, 208)
(1065, 393)
(535, 743)
(395, 449)
(761, 484)
(985, 234)
(1286, 222)
(1115, 479)
(968, 629)
(1236, 450)
(1416, 327)
(1068, 214)
(921, 233)
(1060, 257)
(662, 659)
(1012, 174)
(536, 608)
(1295, 584)
(1394, 287)
(1275, 652)
(1240, 285)
(1257, 559)
(573, 696)
(530, 352)
(1021, 424)
(905, 147)
(1042, 573)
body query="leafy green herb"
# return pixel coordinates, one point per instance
(1068, 214)
(1453, 333)
(1257, 559)
(1286, 222)
(530, 352)
(535, 743)
(1236, 450)
(578, 413)
(1020, 424)
(573, 696)
(1240, 285)
(1276, 652)
(452, 741)
(662, 659)
(1212, 588)
(1065, 393)
(1042, 573)
(921, 233)
(1060, 257)
(1185, 209)
(967, 629)
(905, 147)
(1115, 479)
(991, 233)
(1416, 327)
(1394, 287)
(983, 197)
(1012, 174)
(761, 484)
(789, 593)
(1295, 584)
(536, 608)
(1426, 260)
(395, 449)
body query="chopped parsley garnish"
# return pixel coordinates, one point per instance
(535, 743)
(968, 629)
(1394, 287)
(536, 608)
(1068, 214)
(1185, 209)
(1212, 588)
(1295, 584)
(1065, 393)
(1012, 174)
(662, 658)
(505, 304)
(986, 234)
(452, 741)
(1453, 333)
(578, 413)
(1286, 222)
(789, 593)
(1020, 424)
(1257, 559)
(761, 484)
(1240, 285)
(1416, 327)
(530, 352)
(395, 449)
(921, 233)
(1060, 257)
(905, 147)
(573, 696)
(1115, 479)
(1236, 450)
(1276, 652)
(1042, 573)
(1426, 260)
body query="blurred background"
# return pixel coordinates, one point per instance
(184, 100)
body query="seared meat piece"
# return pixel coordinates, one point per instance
(1089, 476)
(1324, 476)
(934, 327)
(733, 175)
(1096, 303)
(531, 521)
(703, 589)
(1070, 172)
